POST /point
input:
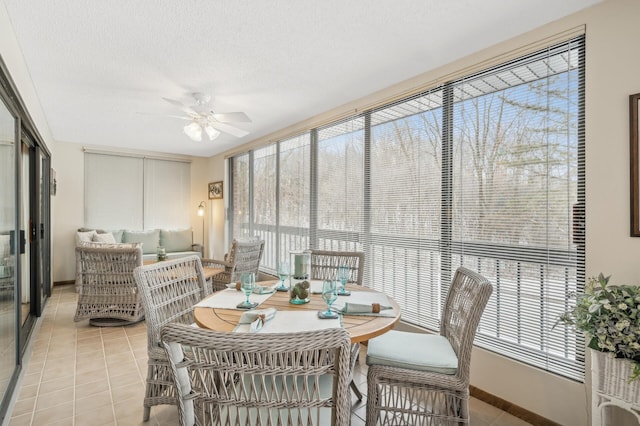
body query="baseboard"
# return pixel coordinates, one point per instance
(510, 408)
(64, 282)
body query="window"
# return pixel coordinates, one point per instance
(125, 192)
(485, 171)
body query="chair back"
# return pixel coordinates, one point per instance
(466, 299)
(169, 291)
(245, 257)
(107, 288)
(248, 378)
(324, 264)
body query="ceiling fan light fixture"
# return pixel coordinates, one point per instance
(211, 132)
(194, 131)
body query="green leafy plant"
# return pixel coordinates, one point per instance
(610, 317)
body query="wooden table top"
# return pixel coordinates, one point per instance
(208, 272)
(360, 327)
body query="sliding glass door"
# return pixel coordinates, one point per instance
(8, 261)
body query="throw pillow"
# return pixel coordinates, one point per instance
(85, 237)
(104, 238)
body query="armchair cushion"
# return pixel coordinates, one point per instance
(175, 240)
(430, 352)
(150, 239)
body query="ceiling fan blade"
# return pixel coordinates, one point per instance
(181, 117)
(192, 112)
(229, 129)
(232, 117)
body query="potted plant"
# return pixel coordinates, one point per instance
(609, 315)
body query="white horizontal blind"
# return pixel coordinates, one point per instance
(113, 191)
(515, 181)
(265, 203)
(167, 194)
(294, 192)
(404, 252)
(485, 172)
(240, 197)
(278, 210)
(339, 186)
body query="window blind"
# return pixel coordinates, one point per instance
(167, 194)
(240, 196)
(339, 185)
(294, 195)
(113, 191)
(128, 192)
(265, 182)
(485, 171)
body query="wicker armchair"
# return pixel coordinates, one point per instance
(169, 291)
(324, 265)
(260, 379)
(107, 293)
(244, 256)
(417, 378)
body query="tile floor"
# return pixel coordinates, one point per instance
(76, 374)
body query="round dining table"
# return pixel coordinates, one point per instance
(360, 327)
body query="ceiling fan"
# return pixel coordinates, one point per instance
(201, 118)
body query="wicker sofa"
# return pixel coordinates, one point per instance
(176, 242)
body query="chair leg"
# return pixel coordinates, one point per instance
(372, 397)
(355, 390)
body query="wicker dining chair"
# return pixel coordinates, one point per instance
(244, 256)
(169, 291)
(324, 266)
(107, 291)
(417, 378)
(260, 378)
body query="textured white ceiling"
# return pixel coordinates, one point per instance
(96, 64)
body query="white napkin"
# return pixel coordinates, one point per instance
(257, 318)
(361, 308)
(259, 289)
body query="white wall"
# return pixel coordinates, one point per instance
(69, 209)
(203, 171)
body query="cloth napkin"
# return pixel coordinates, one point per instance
(362, 308)
(259, 289)
(257, 318)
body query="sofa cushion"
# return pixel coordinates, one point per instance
(117, 235)
(176, 239)
(150, 239)
(104, 238)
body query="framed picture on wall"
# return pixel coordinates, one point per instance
(215, 190)
(634, 121)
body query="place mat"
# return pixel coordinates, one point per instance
(293, 322)
(229, 299)
(364, 298)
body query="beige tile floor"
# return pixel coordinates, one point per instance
(76, 374)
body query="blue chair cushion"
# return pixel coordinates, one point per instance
(413, 351)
